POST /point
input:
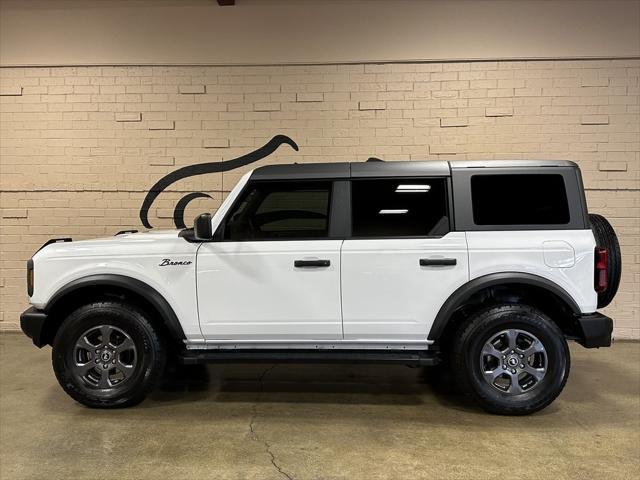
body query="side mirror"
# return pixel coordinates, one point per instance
(202, 227)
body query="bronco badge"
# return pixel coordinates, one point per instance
(168, 262)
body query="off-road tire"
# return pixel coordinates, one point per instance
(479, 328)
(606, 237)
(150, 354)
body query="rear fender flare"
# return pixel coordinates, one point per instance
(466, 291)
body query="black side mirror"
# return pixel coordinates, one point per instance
(202, 227)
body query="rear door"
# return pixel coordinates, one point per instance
(275, 273)
(402, 261)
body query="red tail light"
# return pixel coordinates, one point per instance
(601, 273)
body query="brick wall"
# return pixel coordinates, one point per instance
(80, 146)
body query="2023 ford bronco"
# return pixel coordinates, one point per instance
(485, 268)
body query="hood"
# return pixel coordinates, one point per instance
(154, 241)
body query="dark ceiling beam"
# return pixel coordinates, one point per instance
(226, 3)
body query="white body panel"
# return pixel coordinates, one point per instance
(252, 291)
(565, 257)
(138, 256)
(386, 294)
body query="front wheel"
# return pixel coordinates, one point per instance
(512, 359)
(107, 354)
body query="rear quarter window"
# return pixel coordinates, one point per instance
(513, 199)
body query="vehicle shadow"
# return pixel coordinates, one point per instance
(226, 384)
(301, 383)
(599, 391)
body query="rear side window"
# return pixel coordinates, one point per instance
(399, 207)
(280, 211)
(519, 199)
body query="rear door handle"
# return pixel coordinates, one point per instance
(311, 263)
(437, 262)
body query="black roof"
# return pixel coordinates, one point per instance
(351, 170)
(430, 168)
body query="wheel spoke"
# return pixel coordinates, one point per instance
(85, 344)
(127, 344)
(83, 368)
(512, 336)
(105, 331)
(125, 367)
(490, 349)
(535, 347)
(104, 379)
(515, 387)
(490, 376)
(537, 373)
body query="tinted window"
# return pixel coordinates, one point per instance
(519, 200)
(399, 208)
(280, 210)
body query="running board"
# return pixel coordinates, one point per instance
(400, 357)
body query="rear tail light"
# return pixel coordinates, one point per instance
(601, 272)
(30, 277)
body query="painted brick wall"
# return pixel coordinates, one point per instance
(80, 146)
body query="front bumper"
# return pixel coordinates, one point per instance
(33, 323)
(595, 330)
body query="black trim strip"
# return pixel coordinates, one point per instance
(54, 240)
(340, 211)
(402, 357)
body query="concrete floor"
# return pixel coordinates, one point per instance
(317, 422)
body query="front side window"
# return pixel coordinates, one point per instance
(411, 207)
(280, 211)
(533, 199)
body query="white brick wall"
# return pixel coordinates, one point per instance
(80, 146)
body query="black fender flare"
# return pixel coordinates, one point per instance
(463, 293)
(151, 295)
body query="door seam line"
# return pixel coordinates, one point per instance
(340, 274)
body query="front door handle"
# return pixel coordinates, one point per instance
(437, 262)
(311, 263)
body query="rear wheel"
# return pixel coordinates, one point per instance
(512, 359)
(107, 354)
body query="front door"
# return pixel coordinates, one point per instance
(274, 275)
(402, 262)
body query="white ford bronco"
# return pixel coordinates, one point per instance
(486, 268)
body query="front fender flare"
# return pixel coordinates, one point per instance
(136, 286)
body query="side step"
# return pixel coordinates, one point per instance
(400, 357)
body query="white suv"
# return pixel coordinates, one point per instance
(485, 267)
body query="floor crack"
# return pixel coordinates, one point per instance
(252, 430)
